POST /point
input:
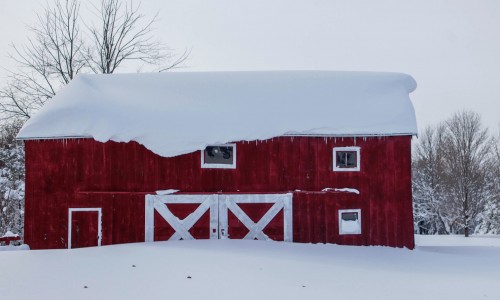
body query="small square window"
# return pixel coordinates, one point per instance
(219, 157)
(346, 159)
(350, 221)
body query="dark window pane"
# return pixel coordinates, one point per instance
(346, 159)
(218, 155)
(350, 216)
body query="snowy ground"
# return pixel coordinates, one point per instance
(439, 268)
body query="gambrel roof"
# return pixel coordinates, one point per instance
(179, 112)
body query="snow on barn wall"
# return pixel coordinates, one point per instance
(122, 151)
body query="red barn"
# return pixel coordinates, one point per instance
(302, 156)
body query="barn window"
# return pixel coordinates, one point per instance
(350, 221)
(219, 157)
(346, 159)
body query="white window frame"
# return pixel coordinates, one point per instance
(358, 159)
(85, 209)
(341, 231)
(219, 166)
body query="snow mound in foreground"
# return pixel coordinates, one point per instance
(237, 269)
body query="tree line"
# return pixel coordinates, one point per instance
(456, 178)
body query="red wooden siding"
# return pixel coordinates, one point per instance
(116, 176)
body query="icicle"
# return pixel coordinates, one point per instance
(354, 141)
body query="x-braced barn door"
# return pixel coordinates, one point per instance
(160, 204)
(241, 216)
(236, 207)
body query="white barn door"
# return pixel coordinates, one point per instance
(219, 206)
(256, 230)
(159, 203)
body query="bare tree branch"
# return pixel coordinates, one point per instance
(57, 52)
(50, 59)
(455, 178)
(124, 34)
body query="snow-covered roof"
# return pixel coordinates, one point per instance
(175, 113)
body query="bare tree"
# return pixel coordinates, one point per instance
(429, 184)
(491, 222)
(456, 178)
(468, 150)
(50, 59)
(61, 48)
(119, 36)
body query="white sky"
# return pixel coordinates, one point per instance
(451, 47)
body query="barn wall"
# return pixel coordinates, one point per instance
(116, 176)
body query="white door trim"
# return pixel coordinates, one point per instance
(99, 222)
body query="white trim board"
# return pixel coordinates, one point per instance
(85, 209)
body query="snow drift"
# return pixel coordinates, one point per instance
(180, 112)
(445, 268)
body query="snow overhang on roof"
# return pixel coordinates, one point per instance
(175, 113)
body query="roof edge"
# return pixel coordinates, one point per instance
(284, 135)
